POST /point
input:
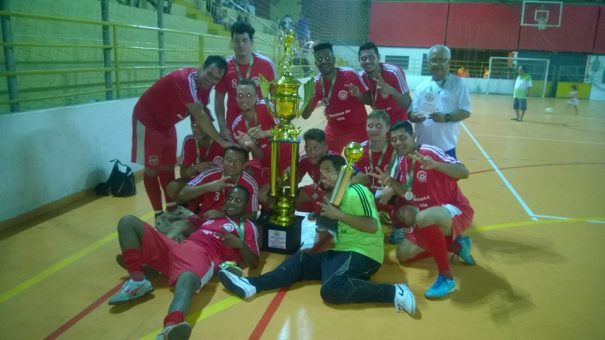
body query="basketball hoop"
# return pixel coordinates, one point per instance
(541, 18)
(541, 23)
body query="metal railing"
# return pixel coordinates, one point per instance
(114, 68)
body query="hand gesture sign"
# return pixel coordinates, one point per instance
(244, 139)
(383, 177)
(219, 184)
(328, 210)
(327, 179)
(230, 240)
(256, 133)
(385, 89)
(426, 161)
(353, 90)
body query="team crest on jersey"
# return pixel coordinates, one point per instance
(421, 176)
(228, 227)
(218, 160)
(153, 160)
(343, 95)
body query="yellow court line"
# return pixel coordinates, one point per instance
(98, 244)
(202, 314)
(530, 223)
(61, 264)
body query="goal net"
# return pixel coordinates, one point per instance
(503, 72)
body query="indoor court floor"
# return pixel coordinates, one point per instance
(538, 191)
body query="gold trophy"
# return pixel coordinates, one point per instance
(282, 230)
(327, 228)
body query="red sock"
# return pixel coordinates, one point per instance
(133, 261)
(152, 187)
(454, 247)
(435, 242)
(165, 178)
(173, 318)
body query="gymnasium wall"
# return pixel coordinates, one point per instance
(54, 153)
(484, 26)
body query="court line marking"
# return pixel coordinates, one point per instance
(268, 314)
(540, 139)
(67, 325)
(202, 314)
(62, 264)
(207, 311)
(525, 207)
(599, 221)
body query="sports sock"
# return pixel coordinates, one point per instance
(171, 206)
(152, 187)
(133, 261)
(165, 178)
(173, 318)
(454, 247)
(435, 241)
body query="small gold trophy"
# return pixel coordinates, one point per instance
(327, 228)
(282, 231)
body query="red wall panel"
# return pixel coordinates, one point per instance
(483, 26)
(408, 24)
(576, 34)
(599, 42)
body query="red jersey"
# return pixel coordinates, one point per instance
(395, 77)
(260, 65)
(372, 160)
(306, 167)
(216, 200)
(165, 103)
(431, 187)
(194, 153)
(343, 111)
(209, 233)
(264, 120)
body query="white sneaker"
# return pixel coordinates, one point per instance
(404, 299)
(177, 331)
(240, 286)
(131, 290)
(178, 213)
(162, 224)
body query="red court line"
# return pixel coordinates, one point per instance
(268, 315)
(64, 327)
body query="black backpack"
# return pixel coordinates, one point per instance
(120, 182)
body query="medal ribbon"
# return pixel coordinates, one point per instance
(240, 228)
(248, 71)
(384, 149)
(409, 176)
(323, 89)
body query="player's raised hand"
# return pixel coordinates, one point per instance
(383, 177)
(385, 88)
(426, 161)
(328, 210)
(353, 90)
(219, 184)
(244, 139)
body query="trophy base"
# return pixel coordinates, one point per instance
(283, 240)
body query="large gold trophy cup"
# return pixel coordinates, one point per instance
(281, 233)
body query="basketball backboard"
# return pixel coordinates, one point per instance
(541, 14)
